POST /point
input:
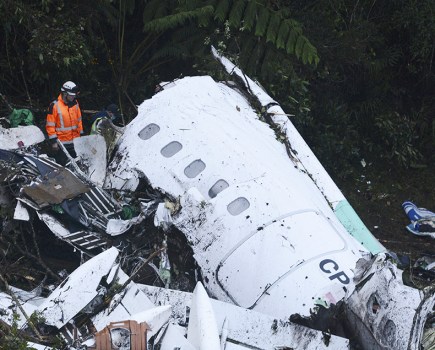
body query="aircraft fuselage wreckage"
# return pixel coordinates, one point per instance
(270, 231)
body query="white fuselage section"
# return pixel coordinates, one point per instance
(261, 231)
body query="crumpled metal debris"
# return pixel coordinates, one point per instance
(98, 307)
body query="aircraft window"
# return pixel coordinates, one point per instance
(238, 206)
(149, 131)
(171, 148)
(218, 187)
(194, 168)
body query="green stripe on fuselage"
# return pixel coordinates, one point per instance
(353, 224)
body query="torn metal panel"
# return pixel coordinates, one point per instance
(92, 152)
(32, 297)
(202, 331)
(84, 241)
(132, 319)
(74, 209)
(155, 318)
(55, 187)
(130, 302)
(246, 328)
(77, 290)
(21, 213)
(11, 157)
(303, 158)
(394, 315)
(44, 164)
(174, 337)
(44, 183)
(8, 308)
(241, 198)
(117, 227)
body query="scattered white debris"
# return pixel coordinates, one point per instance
(92, 152)
(21, 136)
(396, 313)
(77, 290)
(21, 212)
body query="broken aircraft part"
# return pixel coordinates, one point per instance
(242, 201)
(137, 316)
(303, 158)
(268, 227)
(248, 210)
(21, 136)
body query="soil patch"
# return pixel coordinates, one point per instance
(377, 192)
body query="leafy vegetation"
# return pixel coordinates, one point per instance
(358, 77)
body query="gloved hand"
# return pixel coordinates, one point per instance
(55, 147)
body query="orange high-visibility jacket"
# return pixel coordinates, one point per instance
(63, 122)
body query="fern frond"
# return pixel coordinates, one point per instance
(300, 42)
(254, 16)
(172, 21)
(273, 27)
(221, 11)
(281, 38)
(291, 41)
(250, 15)
(236, 13)
(262, 23)
(310, 52)
(155, 9)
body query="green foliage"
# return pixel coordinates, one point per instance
(177, 19)
(236, 14)
(365, 84)
(69, 51)
(415, 21)
(377, 60)
(398, 134)
(13, 338)
(250, 15)
(222, 9)
(256, 17)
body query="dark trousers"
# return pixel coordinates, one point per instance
(60, 156)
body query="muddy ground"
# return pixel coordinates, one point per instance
(377, 192)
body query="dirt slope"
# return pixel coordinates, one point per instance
(377, 193)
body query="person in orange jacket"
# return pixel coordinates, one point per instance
(64, 121)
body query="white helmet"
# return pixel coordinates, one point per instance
(70, 88)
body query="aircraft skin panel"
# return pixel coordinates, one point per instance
(323, 280)
(74, 293)
(202, 137)
(306, 159)
(25, 135)
(222, 139)
(237, 270)
(247, 151)
(284, 245)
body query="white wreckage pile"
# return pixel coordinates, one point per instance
(269, 235)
